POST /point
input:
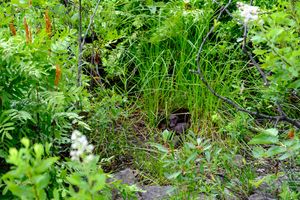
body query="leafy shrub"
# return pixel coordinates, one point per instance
(31, 175)
(38, 92)
(194, 168)
(276, 39)
(36, 175)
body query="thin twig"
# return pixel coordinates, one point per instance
(90, 24)
(79, 46)
(82, 39)
(262, 73)
(245, 34)
(281, 117)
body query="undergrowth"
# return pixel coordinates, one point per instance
(140, 69)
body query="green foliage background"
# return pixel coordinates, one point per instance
(138, 60)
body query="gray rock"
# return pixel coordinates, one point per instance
(155, 192)
(229, 195)
(260, 196)
(127, 176)
(204, 197)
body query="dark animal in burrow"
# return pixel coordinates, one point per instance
(178, 122)
(177, 125)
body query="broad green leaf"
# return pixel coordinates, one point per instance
(100, 182)
(264, 138)
(56, 195)
(22, 191)
(271, 131)
(13, 156)
(41, 181)
(285, 156)
(275, 150)
(44, 165)
(38, 150)
(259, 51)
(74, 179)
(25, 142)
(258, 152)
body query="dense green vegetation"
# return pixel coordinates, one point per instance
(201, 95)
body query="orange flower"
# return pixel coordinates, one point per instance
(291, 134)
(27, 31)
(57, 75)
(12, 28)
(48, 23)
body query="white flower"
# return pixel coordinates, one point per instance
(90, 148)
(89, 158)
(186, 1)
(75, 135)
(74, 145)
(82, 140)
(74, 155)
(249, 13)
(80, 148)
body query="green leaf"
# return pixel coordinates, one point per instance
(8, 136)
(264, 138)
(190, 145)
(160, 147)
(271, 131)
(174, 175)
(38, 150)
(44, 165)
(13, 156)
(166, 135)
(259, 51)
(100, 180)
(25, 142)
(41, 181)
(56, 194)
(275, 150)
(191, 158)
(285, 156)
(74, 179)
(258, 152)
(22, 191)
(258, 39)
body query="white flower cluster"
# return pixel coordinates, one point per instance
(247, 12)
(81, 150)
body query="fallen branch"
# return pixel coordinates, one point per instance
(281, 117)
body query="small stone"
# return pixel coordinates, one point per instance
(260, 196)
(155, 192)
(127, 176)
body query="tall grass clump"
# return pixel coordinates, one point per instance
(166, 58)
